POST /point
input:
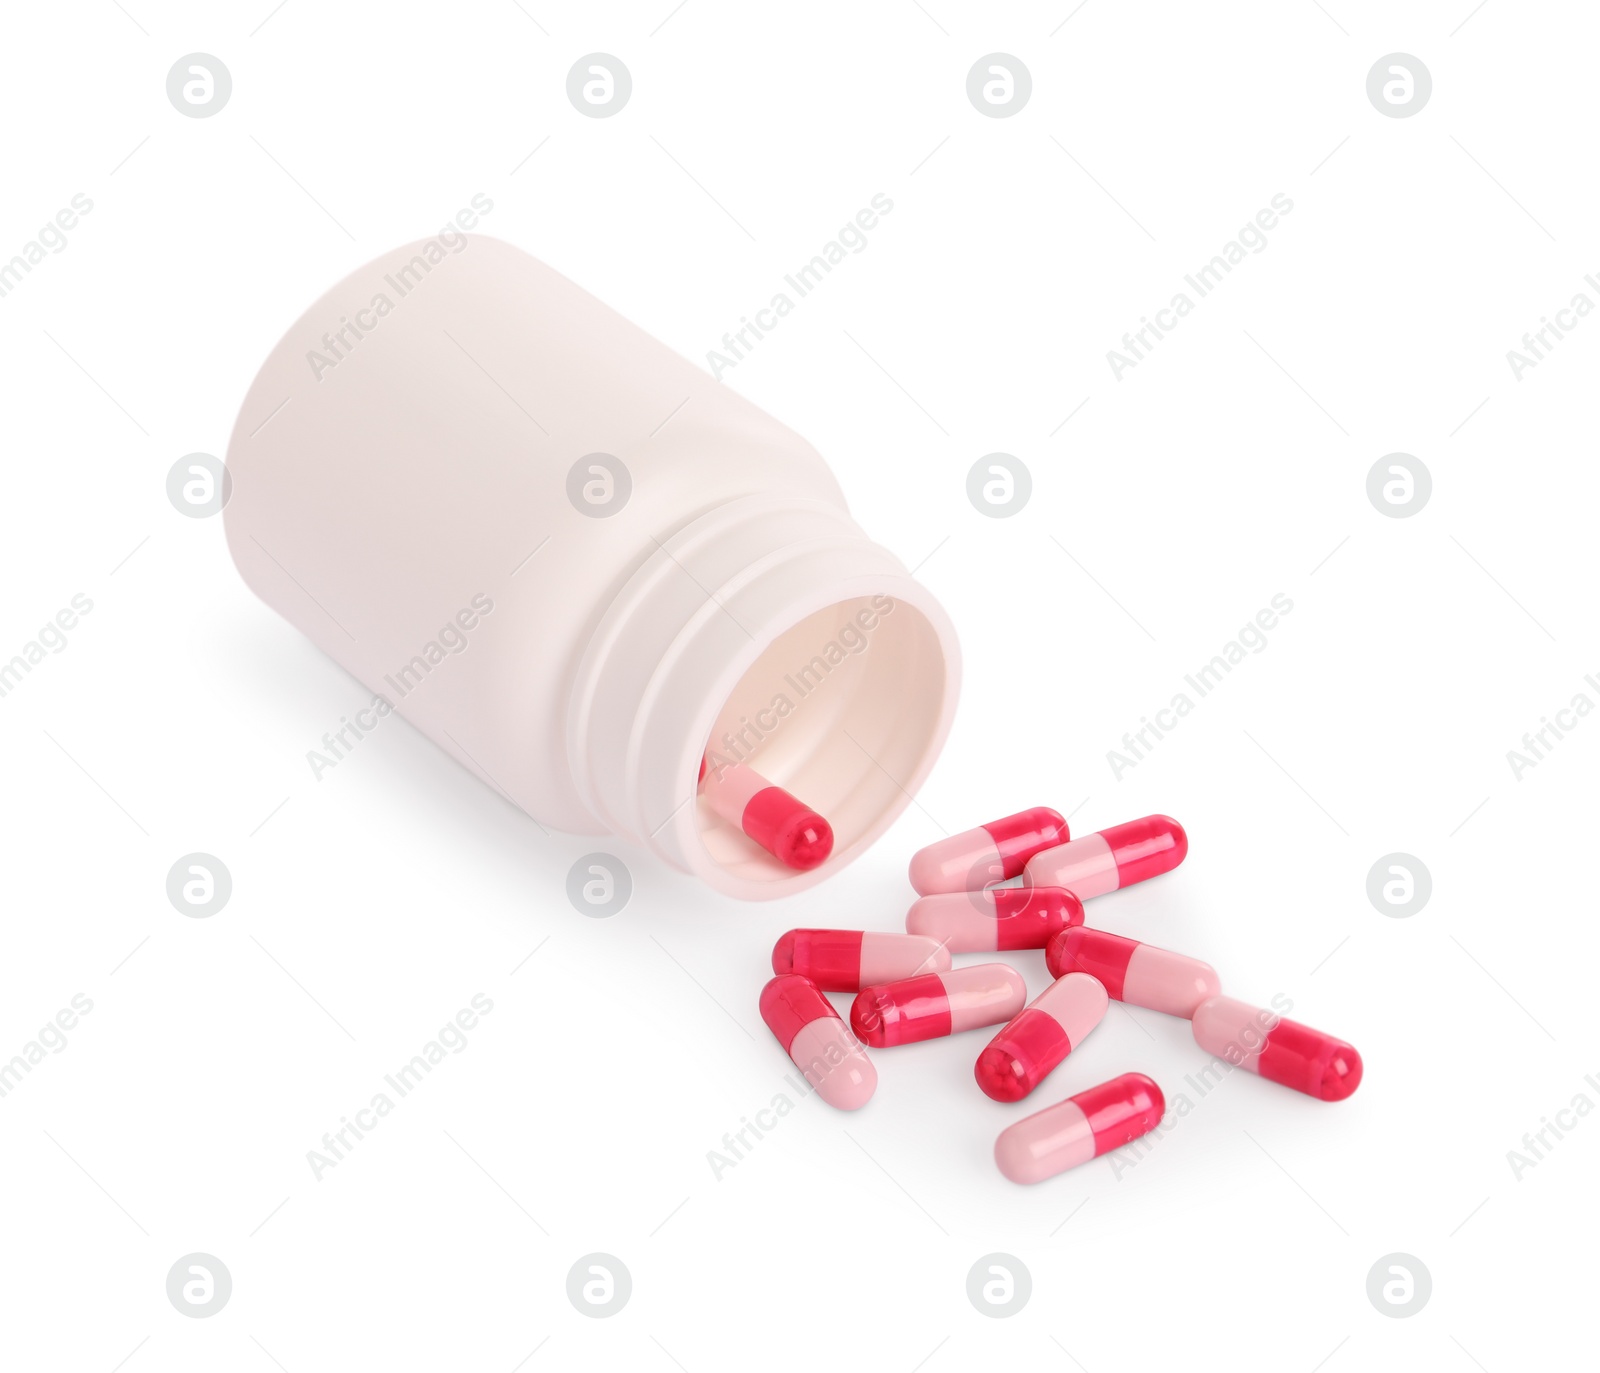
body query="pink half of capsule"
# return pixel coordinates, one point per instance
(848, 960)
(1020, 1057)
(1140, 974)
(1284, 1051)
(1080, 1128)
(1118, 857)
(786, 828)
(820, 1043)
(937, 1004)
(999, 918)
(991, 853)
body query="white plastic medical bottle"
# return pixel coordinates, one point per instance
(576, 562)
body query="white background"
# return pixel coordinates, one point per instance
(1231, 465)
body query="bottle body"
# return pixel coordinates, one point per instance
(573, 559)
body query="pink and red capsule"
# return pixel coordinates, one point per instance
(786, 828)
(1283, 1051)
(991, 853)
(848, 960)
(1139, 974)
(937, 1004)
(819, 1042)
(1080, 1128)
(1111, 858)
(997, 919)
(1023, 1054)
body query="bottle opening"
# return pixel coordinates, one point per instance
(771, 638)
(843, 711)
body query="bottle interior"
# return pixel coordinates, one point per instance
(840, 711)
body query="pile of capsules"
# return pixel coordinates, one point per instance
(908, 991)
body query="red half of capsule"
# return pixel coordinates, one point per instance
(1105, 957)
(1021, 1055)
(790, 1003)
(1028, 1048)
(901, 1012)
(1121, 1110)
(1018, 837)
(1317, 1064)
(1146, 847)
(1028, 917)
(788, 829)
(830, 958)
